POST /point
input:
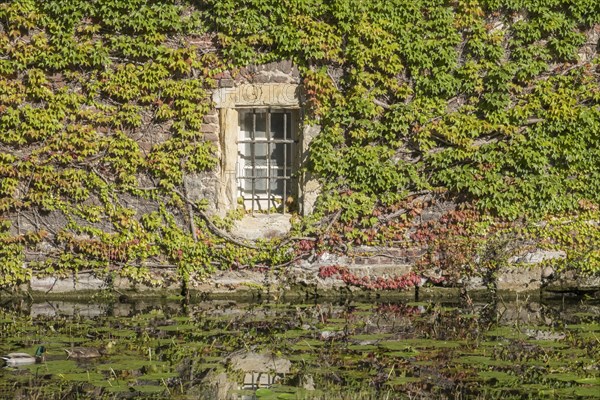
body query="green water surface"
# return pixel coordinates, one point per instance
(341, 349)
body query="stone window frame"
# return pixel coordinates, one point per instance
(228, 102)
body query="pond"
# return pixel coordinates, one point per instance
(320, 349)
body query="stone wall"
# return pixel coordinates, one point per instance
(304, 278)
(278, 85)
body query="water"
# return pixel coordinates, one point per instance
(341, 349)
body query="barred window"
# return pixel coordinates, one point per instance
(266, 159)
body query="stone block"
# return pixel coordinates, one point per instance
(211, 119)
(69, 284)
(361, 260)
(261, 226)
(361, 270)
(474, 283)
(387, 271)
(261, 78)
(568, 280)
(538, 256)
(209, 128)
(285, 66)
(276, 78)
(201, 186)
(211, 137)
(121, 283)
(226, 83)
(519, 279)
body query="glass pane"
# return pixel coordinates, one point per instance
(260, 183)
(277, 187)
(277, 125)
(261, 186)
(262, 165)
(260, 154)
(248, 124)
(261, 123)
(277, 171)
(260, 150)
(248, 187)
(277, 155)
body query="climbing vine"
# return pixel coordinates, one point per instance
(493, 105)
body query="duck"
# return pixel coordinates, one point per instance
(16, 359)
(80, 353)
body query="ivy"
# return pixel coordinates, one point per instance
(481, 101)
(493, 104)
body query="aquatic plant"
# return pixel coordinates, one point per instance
(335, 350)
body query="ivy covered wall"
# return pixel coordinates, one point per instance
(491, 105)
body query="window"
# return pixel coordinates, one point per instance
(266, 159)
(261, 143)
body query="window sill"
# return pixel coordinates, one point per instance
(262, 226)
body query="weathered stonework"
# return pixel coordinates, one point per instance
(202, 186)
(259, 226)
(83, 281)
(285, 95)
(272, 85)
(228, 101)
(569, 280)
(304, 275)
(519, 279)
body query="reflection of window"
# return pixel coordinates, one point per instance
(266, 162)
(257, 380)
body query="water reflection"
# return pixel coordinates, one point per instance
(257, 380)
(332, 350)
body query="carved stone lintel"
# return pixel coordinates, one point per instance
(260, 95)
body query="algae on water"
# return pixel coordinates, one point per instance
(355, 350)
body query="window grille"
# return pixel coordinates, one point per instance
(265, 159)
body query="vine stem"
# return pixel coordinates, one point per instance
(190, 212)
(212, 226)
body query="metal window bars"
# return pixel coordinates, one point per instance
(265, 158)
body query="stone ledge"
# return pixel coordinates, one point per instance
(570, 281)
(259, 226)
(519, 279)
(525, 277)
(81, 281)
(381, 270)
(537, 256)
